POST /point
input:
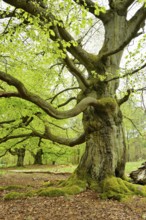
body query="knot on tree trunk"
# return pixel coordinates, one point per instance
(139, 175)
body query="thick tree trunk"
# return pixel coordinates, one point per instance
(105, 152)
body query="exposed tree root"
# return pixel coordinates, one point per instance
(110, 188)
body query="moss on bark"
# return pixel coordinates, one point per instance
(116, 188)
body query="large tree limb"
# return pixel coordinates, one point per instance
(130, 29)
(65, 141)
(130, 73)
(136, 22)
(83, 83)
(48, 136)
(44, 105)
(120, 6)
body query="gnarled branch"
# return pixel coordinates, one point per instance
(65, 141)
(44, 105)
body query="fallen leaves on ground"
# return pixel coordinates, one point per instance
(84, 206)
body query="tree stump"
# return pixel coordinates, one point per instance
(139, 175)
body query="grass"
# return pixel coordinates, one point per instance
(39, 168)
(131, 166)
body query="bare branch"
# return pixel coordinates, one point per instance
(127, 74)
(2, 155)
(6, 138)
(134, 125)
(129, 91)
(83, 83)
(140, 89)
(126, 97)
(52, 99)
(7, 122)
(65, 103)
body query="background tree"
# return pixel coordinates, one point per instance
(20, 153)
(52, 50)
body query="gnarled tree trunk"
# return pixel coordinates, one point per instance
(105, 152)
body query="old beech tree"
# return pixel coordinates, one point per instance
(102, 118)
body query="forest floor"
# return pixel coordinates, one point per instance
(84, 206)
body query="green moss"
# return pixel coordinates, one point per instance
(13, 187)
(108, 102)
(14, 195)
(30, 193)
(119, 189)
(94, 185)
(71, 186)
(72, 190)
(2, 188)
(74, 181)
(51, 192)
(62, 191)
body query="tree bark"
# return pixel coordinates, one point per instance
(38, 157)
(105, 152)
(20, 157)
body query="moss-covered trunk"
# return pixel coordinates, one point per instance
(105, 145)
(105, 152)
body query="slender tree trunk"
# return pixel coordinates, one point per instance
(20, 155)
(38, 157)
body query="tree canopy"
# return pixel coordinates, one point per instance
(61, 68)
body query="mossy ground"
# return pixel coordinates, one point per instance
(109, 188)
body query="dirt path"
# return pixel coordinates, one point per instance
(85, 206)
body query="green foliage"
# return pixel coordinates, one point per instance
(131, 166)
